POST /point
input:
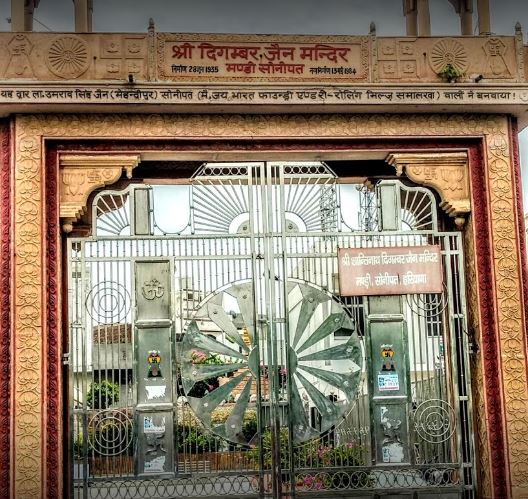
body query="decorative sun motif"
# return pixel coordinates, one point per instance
(324, 373)
(68, 57)
(448, 51)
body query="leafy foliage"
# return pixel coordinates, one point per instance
(450, 73)
(102, 395)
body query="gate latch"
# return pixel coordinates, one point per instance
(66, 359)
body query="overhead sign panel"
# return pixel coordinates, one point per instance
(390, 270)
(263, 58)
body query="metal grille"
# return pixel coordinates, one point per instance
(219, 359)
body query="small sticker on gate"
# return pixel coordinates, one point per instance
(388, 382)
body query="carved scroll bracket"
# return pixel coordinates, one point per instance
(447, 173)
(81, 174)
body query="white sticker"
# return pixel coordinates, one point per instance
(156, 392)
(156, 465)
(393, 453)
(388, 382)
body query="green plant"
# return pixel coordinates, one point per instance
(78, 449)
(316, 458)
(196, 440)
(202, 388)
(102, 395)
(450, 73)
(255, 452)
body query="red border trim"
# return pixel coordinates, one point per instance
(52, 347)
(5, 304)
(489, 348)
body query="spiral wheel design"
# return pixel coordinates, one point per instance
(324, 373)
(434, 421)
(108, 302)
(110, 432)
(68, 57)
(449, 51)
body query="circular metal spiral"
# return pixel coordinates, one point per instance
(434, 421)
(108, 302)
(110, 432)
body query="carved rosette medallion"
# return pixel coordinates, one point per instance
(67, 57)
(448, 51)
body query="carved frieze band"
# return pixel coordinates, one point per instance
(82, 174)
(447, 173)
(29, 201)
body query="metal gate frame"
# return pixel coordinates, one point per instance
(277, 255)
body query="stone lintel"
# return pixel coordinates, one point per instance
(81, 174)
(447, 173)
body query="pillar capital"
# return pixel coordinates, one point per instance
(81, 174)
(447, 173)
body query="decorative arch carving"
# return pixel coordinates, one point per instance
(81, 174)
(447, 173)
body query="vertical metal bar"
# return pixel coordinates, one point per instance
(269, 286)
(281, 206)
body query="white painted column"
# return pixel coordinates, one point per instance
(424, 18)
(83, 15)
(484, 23)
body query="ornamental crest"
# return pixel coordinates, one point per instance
(152, 290)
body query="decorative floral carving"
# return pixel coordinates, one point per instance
(67, 57)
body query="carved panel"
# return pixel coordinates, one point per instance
(448, 51)
(506, 298)
(82, 174)
(120, 56)
(448, 173)
(19, 63)
(68, 57)
(398, 59)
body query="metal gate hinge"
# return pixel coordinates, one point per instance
(65, 359)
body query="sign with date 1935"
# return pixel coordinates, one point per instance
(262, 58)
(390, 270)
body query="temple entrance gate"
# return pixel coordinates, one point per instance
(220, 358)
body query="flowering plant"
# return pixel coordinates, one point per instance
(201, 388)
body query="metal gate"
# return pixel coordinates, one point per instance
(216, 357)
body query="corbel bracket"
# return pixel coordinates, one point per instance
(81, 174)
(447, 173)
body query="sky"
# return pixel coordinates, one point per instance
(339, 17)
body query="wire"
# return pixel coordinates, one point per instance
(42, 24)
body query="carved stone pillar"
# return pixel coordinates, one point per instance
(464, 8)
(447, 173)
(82, 174)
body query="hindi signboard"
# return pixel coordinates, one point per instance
(390, 270)
(262, 58)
